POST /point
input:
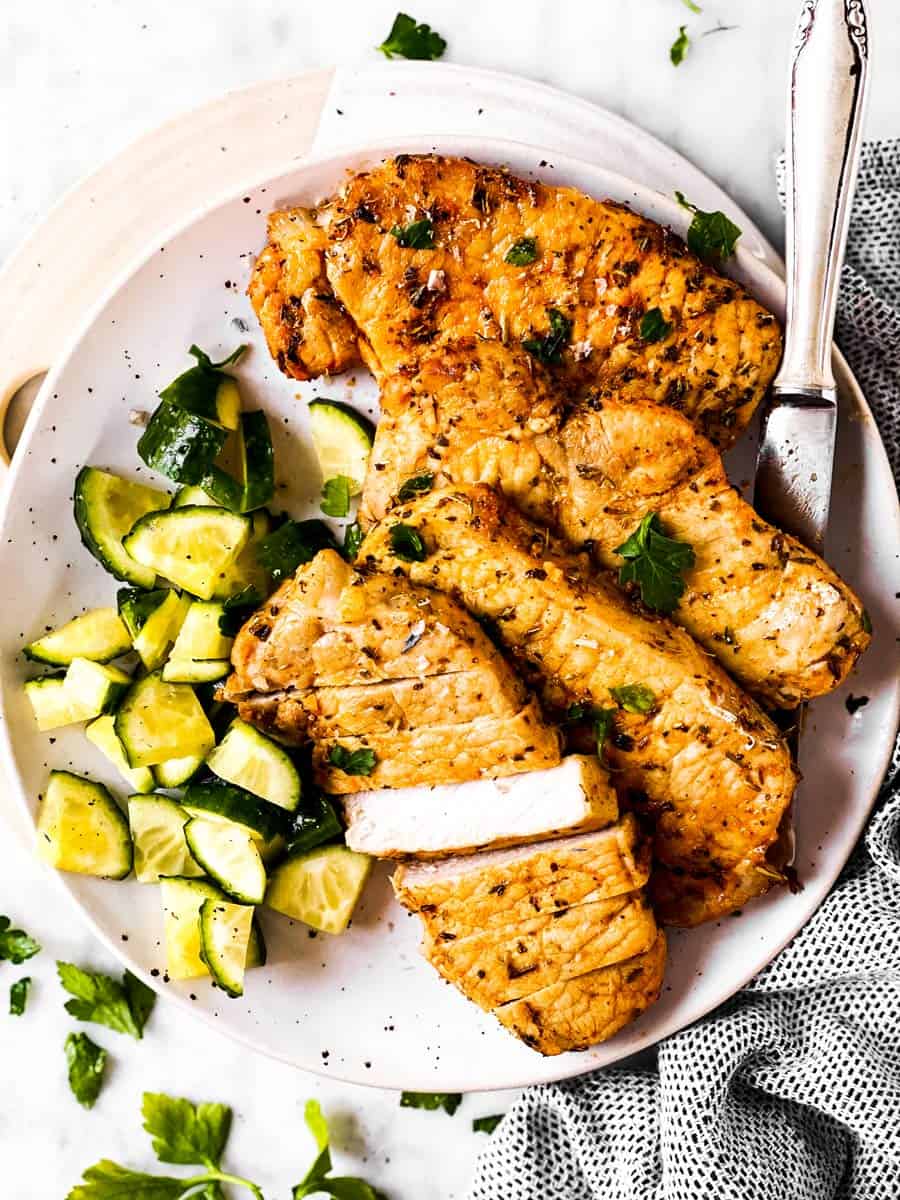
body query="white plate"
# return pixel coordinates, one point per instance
(365, 1007)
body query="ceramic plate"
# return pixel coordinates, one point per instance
(365, 1007)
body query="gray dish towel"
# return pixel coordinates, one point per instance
(791, 1090)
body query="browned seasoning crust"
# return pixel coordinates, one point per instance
(599, 264)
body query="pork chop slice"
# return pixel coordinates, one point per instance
(428, 822)
(495, 966)
(500, 887)
(573, 1014)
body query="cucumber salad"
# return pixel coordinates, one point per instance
(212, 811)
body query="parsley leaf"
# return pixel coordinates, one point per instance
(87, 1062)
(417, 485)
(183, 1132)
(486, 1124)
(695, 8)
(123, 1007)
(654, 327)
(634, 698)
(522, 252)
(604, 724)
(15, 945)
(711, 234)
(336, 496)
(18, 996)
(418, 235)
(353, 539)
(407, 543)
(203, 359)
(549, 347)
(237, 609)
(866, 621)
(353, 762)
(291, 545)
(431, 1101)
(410, 40)
(108, 1181)
(655, 562)
(317, 1180)
(679, 48)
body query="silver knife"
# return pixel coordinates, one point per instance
(826, 104)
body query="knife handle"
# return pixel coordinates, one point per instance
(826, 102)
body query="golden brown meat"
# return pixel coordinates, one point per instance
(597, 265)
(372, 663)
(775, 614)
(705, 763)
(573, 1014)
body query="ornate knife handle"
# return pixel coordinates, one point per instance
(826, 99)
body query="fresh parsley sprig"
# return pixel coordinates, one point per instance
(87, 1063)
(122, 1006)
(411, 40)
(318, 1180)
(679, 48)
(15, 945)
(656, 564)
(487, 1124)
(353, 762)
(432, 1101)
(18, 996)
(548, 347)
(711, 235)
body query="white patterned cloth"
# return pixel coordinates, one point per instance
(791, 1090)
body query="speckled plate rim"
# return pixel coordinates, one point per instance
(646, 1032)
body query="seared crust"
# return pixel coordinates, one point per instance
(598, 263)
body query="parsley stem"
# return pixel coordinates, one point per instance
(214, 1175)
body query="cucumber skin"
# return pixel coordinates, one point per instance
(34, 654)
(179, 444)
(209, 867)
(234, 804)
(113, 811)
(251, 741)
(228, 986)
(259, 461)
(142, 577)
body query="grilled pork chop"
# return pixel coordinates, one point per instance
(705, 764)
(776, 616)
(455, 818)
(596, 270)
(375, 664)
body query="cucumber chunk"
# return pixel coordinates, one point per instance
(102, 733)
(159, 721)
(80, 828)
(320, 888)
(176, 772)
(192, 546)
(200, 636)
(294, 543)
(161, 628)
(206, 390)
(195, 670)
(157, 830)
(225, 932)
(258, 817)
(247, 572)
(230, 856)
(96, 686)
(181, 902)
(52, 705)
(106, 508)
(136, 606)
(254, 460)
(180, 445)
(99, 635)
(314, 825)
(343, 441)
(191, 495)
(252, 761)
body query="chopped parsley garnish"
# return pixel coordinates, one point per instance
(18, 996)
(183, 1132)
(418, 235)
(654, 327)
(432, 1101)
(291, 545)
(866, 621)
(522, 252)
(486, 1124)
(317, 1180)
(417, 485)
(656, 564)
(15, 945)
(711, 234)
(407, 543)
(604, 724)
(87, 1062)
(336, 496)
(122, 1006)
(548, 347)
(410, 40)
(679, 48)
(237, 609)
(578, 712)
(353, 762)
(634, 698)
(353, 539)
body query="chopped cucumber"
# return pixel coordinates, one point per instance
(225, 932)
(180, 445)
(81, 828)
(292, 544)
(102, 733)
(99, 635)
(95, 685)
(192, 546)
(314, 825)
(192, 496)
(195, 670)
(229, 855)
(258, 817)
(206, 391)
(157, 829)
(161, 628)
(182, 899)
(255, 462)
(250, 760)
(247, 571)
(175, 772)
(106, 508)
(158, 721)
(52, 705)
(136, 606)
(343, 441)
(200, 636)
(320, 888)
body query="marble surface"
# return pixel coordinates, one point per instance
(82, 80)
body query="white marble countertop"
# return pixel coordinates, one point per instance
(77, 83)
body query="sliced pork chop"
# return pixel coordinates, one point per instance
(499, 887)
(574, 1014)
(428, 822)
(704, 763)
